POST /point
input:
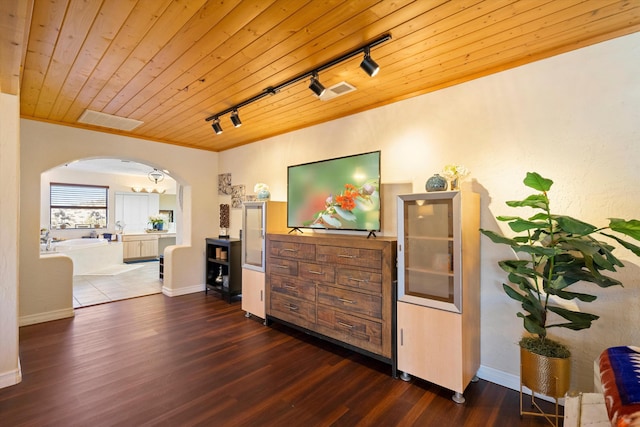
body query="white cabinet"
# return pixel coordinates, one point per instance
(253, 293)
(134, 209)
(139, 246)
(438, 309)
(258, 219)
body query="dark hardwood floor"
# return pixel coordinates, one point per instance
(196, 360)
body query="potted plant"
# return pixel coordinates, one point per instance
(554, 252)
(157, 222)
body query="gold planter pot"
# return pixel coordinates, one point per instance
(545, 375)
(549, 376)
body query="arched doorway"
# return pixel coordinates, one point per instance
(136, 192)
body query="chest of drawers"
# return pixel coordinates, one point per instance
(336, 287)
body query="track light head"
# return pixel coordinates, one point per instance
(235, 119)
(216, 126)
(316, 86)
(368, 64)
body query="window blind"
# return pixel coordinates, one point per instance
(78, 196)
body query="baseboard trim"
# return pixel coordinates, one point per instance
(46, 317)
(182, 291)
(11, 377)
(509, 381)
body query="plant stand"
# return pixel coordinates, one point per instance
(552, 418)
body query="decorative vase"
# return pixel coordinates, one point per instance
(158, 226)
(436, 183)
(264, 195)
(455, 183)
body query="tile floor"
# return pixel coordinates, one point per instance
(94, 289)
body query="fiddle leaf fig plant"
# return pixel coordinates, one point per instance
(552, 253)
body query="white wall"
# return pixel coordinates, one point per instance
(44, 146)
(9, 243)
(574, 118)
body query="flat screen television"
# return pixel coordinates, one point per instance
(339, 194)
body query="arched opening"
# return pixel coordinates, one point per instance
(123, 261)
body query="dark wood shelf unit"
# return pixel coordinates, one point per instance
(231, 267)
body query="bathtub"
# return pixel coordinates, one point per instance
(88, 255)
(76, 244)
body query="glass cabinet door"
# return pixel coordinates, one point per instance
(429, 250)
(253, 236)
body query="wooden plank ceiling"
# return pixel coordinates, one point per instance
(172, 63)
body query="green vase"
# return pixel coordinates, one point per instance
(436, 183)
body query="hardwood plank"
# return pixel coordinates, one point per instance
(195, 359)
(108, 22)
(189, 50)
(194, 63)
(173, 18)
(77, 22)
(13, 23)
(45, 27)
(140, 21)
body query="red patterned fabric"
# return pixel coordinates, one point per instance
(620, 377)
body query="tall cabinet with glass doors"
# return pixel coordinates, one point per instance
(438, 309)
(258, 219)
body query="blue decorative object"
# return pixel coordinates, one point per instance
(264, 195)
(158, 226)
(436, 183)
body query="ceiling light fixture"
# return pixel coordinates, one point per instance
(216, 126)
(235, 119)
(315, 85)
(155, 176)
(368, 65)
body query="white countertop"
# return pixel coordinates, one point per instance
(152, 233)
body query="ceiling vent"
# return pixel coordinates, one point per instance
(96, 118)
(336, 90)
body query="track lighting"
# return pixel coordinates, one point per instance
(368, 64)
(235, 119)
(315, 85)
(216, 126)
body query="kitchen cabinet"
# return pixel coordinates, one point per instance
(133, 210)
(438, 309)
(139, 246)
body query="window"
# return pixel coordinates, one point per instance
(78, 206)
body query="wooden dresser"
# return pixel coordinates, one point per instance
(336, 287)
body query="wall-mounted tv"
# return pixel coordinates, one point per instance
(340, 194)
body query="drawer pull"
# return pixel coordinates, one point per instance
(353, 279)
(346, 256)
(292, 307)
(288, 250)
(289, 287)
(319, 273)
(282, 266)
(346, 325)
(348, 301)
